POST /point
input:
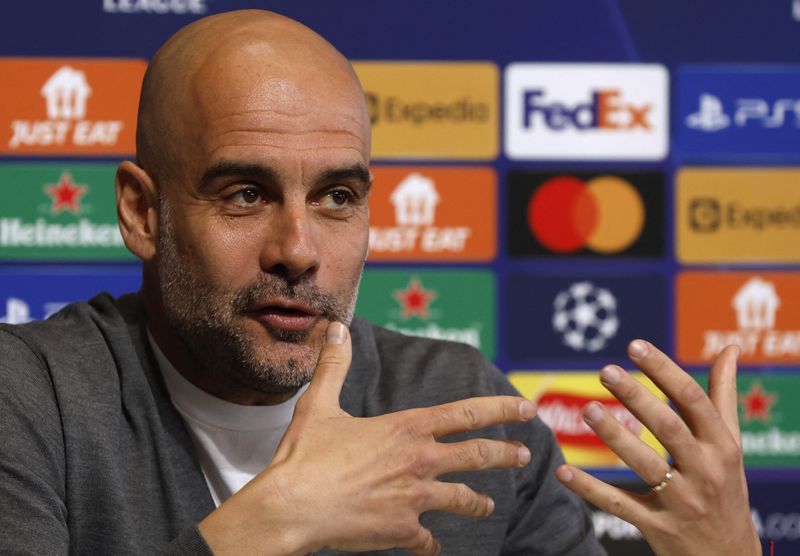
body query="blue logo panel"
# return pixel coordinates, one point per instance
(776, 512)
(586, 318)
(28, 293)
(734, 110)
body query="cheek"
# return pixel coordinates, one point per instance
(225, 253)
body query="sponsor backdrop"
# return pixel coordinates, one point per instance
(551, 181)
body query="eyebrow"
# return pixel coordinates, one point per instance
(358, 172)
(229, 168)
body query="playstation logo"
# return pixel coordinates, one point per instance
(710, 116)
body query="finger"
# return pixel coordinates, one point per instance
(472, 414)
(722, 388)
(640, 457)
(688, 396)
(332, 367)
(423, 544)
(459, 499)
(623, 504)
(654, 414)
(478, 454)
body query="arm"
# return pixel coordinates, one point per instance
(701, 507)
(32, 475)
(357, 484)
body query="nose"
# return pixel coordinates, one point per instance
(290, 246)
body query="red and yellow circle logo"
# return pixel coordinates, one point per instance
(604, 214)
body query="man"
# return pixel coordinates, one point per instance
(228, 381)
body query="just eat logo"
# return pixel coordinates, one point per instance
(606, 109)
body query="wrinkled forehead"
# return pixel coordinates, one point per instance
(259, 80)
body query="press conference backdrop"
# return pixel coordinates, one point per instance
(552, 179)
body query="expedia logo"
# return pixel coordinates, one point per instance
(705, 215)
(432, 109)
(393, 109)
(606, 109)
(708, 215)
(737, 215)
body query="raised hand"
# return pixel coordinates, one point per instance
(360, 484)
(699, 505)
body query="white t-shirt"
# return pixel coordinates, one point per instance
(233, 442)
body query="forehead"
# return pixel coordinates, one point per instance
(251, 101)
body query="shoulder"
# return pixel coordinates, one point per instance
(75, 341)
(73, 323)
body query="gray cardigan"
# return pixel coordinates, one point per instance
(94, 458)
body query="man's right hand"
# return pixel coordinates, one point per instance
(357, 484)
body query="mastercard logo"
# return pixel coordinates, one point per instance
(604, 214)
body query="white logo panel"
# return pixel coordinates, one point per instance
(586, 111)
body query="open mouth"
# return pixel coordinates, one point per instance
(286, 317)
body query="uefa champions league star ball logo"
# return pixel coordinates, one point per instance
(585, 316)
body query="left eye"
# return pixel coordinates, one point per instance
(340, 196)
(247, 196)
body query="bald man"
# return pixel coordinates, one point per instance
(234, 405)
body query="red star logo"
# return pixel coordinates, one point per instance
(757, 404)
(66, 195)
(415, 299)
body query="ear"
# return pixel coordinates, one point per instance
(137, 210)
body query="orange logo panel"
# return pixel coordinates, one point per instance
(69, 106)
(433, 213)
(758, 311)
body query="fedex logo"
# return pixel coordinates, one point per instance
(607, 110)
(586, 111)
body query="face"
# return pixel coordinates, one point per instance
(263, 230)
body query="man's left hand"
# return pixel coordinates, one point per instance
(699, 505)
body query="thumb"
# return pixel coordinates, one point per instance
(331, 370)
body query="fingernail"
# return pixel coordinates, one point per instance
(527, 410)
(610, 375)
(564, 474)
(489, 506)
(593, 412)
(335, 333)
(638, 348)
(524, 455)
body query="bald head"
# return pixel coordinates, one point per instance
(234, 64)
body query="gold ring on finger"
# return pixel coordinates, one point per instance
(665, 481)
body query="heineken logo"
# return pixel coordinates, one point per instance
(432, 304)
(757, 404)
(769, 420)
(52, 212)
(66, 194)
(414, 300)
